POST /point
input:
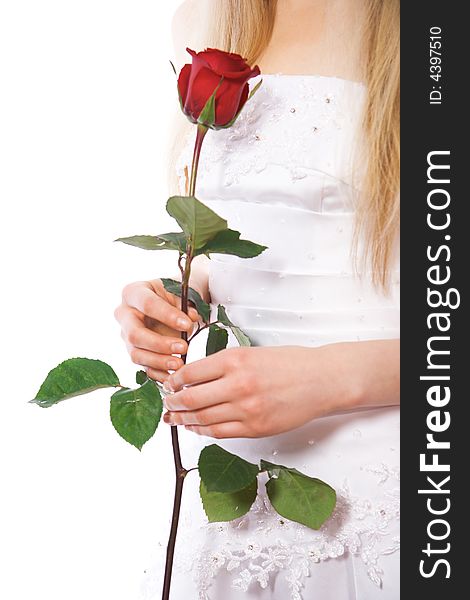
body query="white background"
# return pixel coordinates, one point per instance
(86, 94)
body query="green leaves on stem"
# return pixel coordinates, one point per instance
(216, 340)
(229, 483)
(220, 506)
(135, 414)
(228, 242)
(298, 497)
(140, 377)
(74, 377)
(174, 287)
(199, 223)
(166, 241)
(204, 232)
(218, 337)
(222, 471)
(241, 337)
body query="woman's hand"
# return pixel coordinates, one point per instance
(262, 391)
(247, 392)
(151, 320)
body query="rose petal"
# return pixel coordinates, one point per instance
(228, 64)
(198, 102)
(183, 82)
(223, 62)
(201, 87)
(244, 97)
(227, 101)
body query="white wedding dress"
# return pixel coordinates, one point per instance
(282, 177)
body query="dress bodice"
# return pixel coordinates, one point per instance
(284, 176)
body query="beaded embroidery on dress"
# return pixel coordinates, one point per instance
(283, 177)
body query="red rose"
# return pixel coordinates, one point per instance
(213, 70)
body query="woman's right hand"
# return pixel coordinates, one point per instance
(151, 322)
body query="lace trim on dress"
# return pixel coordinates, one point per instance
(358, 526)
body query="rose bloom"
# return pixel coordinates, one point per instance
(209, 69)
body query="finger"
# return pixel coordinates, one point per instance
(203, 370)
(233, 429)
(160, 328)
(157, 286)
(156, 326)
(159, 362)
(198, 396)
(193, 314)
(221, 413)
(136, 334)
(156, 375)
(149, 303)
(177, 302)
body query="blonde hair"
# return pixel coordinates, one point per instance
(246, 27)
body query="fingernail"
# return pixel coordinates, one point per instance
(172, 365)
(178, 348)
(183, 323)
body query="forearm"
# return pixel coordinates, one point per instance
(362, 374)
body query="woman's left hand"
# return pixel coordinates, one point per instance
(255, 391)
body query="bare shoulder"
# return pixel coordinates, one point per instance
(186, 28)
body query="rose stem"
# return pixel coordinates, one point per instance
(201, 132)
(180, 471)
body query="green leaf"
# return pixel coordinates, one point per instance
(270, 468)
(220, 506)
(216, 340)
(228, 242)
(174, 287)
(241, 337)
(173, 67)
(141, 377)
(207, 114)
(198, 221)
(222, 471)
(74, 377)
(173, 241)
(146, 242)
(298, 497)
(165, 241)
(135, 413)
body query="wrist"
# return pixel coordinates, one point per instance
(342, 381)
